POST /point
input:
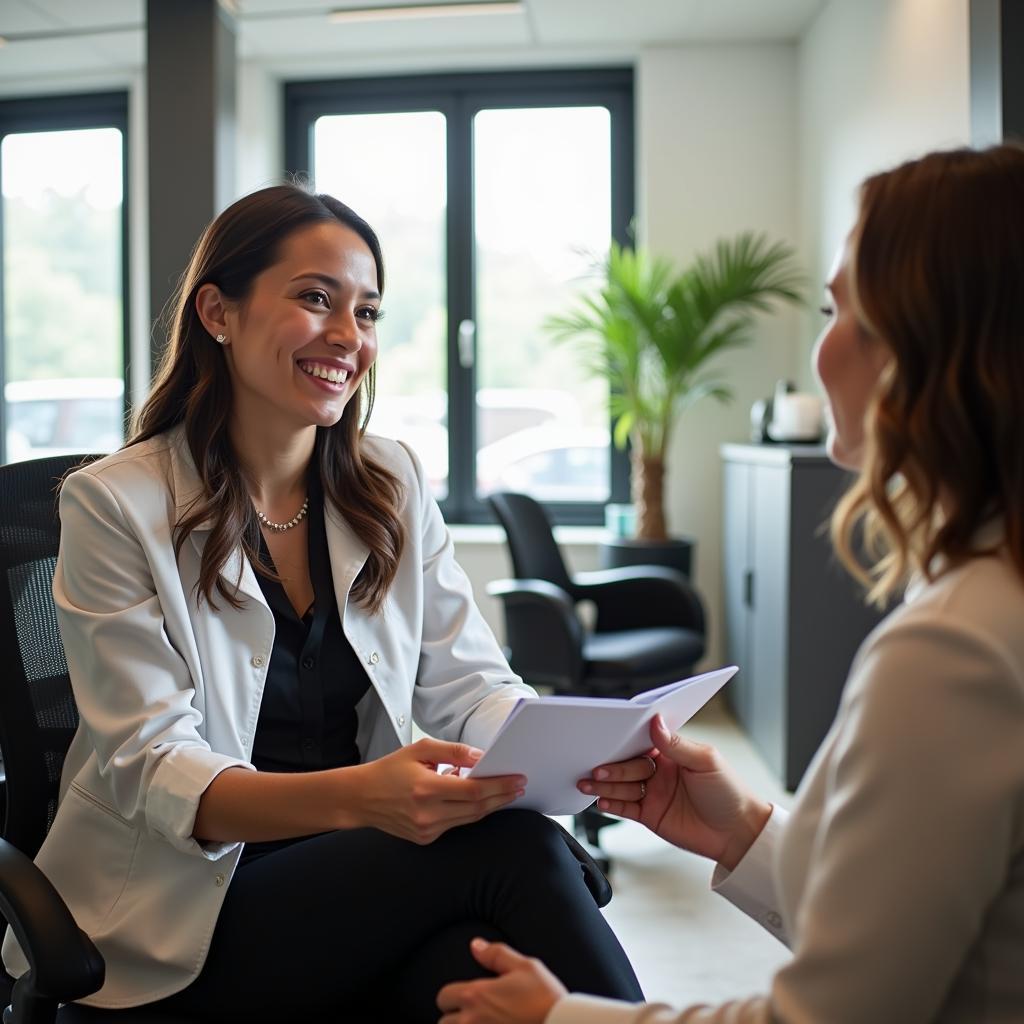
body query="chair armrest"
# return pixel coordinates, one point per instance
(64, 965)
(634, 597)
(543, 633)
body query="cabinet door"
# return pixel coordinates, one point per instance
(737, 567)
(769, 513)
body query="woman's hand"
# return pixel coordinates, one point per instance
(523, 993)
(685, 793)
(402, 794)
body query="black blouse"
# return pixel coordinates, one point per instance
(315, 680)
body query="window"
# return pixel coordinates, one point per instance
(494, 196)
(63, 234)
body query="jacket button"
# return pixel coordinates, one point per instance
(374, 658)
(257, 661)
(401, 719)
(774, 920)
(219, 879)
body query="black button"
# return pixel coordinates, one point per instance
(308, 744)
(308, 662)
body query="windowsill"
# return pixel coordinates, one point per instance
(492, 534)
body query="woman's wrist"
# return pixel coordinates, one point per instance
(752, 823)
(346, 787)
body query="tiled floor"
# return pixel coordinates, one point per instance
(687, 944)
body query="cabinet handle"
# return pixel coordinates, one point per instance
(467, 341)
(748, 588)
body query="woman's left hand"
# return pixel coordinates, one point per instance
(523, 993)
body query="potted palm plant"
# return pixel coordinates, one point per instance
(654, 335)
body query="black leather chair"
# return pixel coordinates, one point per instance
(648, 628)
(38, 718)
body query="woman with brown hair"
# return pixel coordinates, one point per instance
(257, 598)
(898, 878)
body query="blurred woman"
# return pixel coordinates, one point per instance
(898, 879)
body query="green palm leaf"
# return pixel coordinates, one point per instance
(650, 332)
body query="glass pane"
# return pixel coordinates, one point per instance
(391, 169)
(64, 352)
(543, 217)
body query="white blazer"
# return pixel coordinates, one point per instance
(169, 696)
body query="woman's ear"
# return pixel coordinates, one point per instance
(212, 310)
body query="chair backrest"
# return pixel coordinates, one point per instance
(38, 716)
(535, 555)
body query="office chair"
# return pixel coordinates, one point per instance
(37, 721)
(38, 718)
(649, 626)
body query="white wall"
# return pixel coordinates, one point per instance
(259, 134)
(881, 81)
(717, 131)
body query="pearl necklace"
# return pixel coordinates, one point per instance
(291, 524)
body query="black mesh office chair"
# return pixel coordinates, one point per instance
(38, 718)
(648, 630)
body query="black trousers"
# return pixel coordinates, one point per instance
(360, 926)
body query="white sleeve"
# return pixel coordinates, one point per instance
(464, 687)
(751, 885)
(133, 690)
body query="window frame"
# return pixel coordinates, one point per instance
(69, 113)
(459, 97)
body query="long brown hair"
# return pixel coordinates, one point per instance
(937, 273)
(193, 387)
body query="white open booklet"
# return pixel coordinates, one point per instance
(556, 741)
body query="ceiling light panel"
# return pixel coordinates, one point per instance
(419, 12)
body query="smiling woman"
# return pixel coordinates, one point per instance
(300, 345)
(263, 277)
(257, 599)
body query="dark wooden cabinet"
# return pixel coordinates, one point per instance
(794, 618)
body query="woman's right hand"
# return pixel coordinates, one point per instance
(403, 794)
(693, 800)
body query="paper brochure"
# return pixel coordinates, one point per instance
(556, 741)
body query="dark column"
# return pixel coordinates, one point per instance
(190, 86)
(997, 71)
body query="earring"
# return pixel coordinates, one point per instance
(221, 339)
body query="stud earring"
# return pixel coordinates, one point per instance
(221, 339)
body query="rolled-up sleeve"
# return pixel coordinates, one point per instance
(134, 691)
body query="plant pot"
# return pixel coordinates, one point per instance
(675, 553)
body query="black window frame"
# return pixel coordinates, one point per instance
(70, 113)
(459, 97)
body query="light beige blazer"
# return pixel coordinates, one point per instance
(898, 879)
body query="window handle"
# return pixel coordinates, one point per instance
(748, 588)
(467, 344)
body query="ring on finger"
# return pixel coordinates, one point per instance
(643, 790)
(652, 763)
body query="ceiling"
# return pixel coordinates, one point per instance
(67, 38)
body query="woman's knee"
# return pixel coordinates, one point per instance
(525, 840)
